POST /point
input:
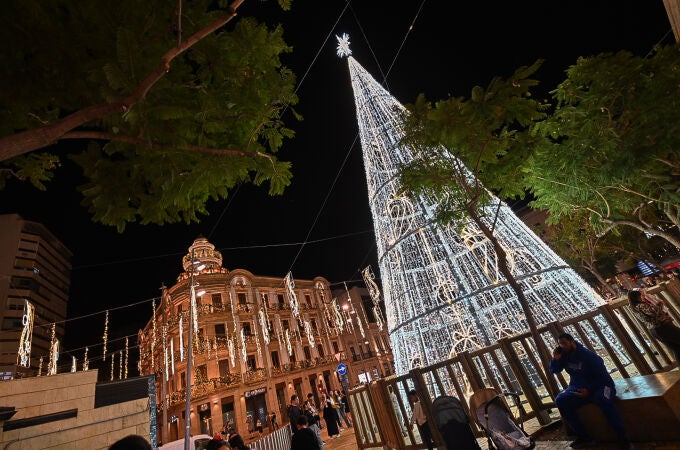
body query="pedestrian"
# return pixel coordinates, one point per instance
(304, 438)
(337, 400)
(236, 442)
(294, 412)
(216, 443)
(275, 424)
(258, 425)
(589, 382)
(344, 402)
(313, 419)
(330, 416)
(651, 311)
(251, 425)
(418, 417)
(131, 442)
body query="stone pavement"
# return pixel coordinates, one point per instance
(552, 438)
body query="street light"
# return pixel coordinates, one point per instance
(196, 266)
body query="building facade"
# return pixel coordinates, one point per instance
(35, 267)
(256, 341)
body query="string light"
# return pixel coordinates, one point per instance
(264, 324)
(289, 346)
(172, 352)
(86, 362)
(113, 359)
(232, 354)
(289, 284)
(24, 353)
(74, 365)
(442, 288)
(120, 363)
(106, 334)
(54, 352)
(126, 357)
(153, 336)
(374, 292)
(40, 365)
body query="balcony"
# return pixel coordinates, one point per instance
(202, 390)
(254, 376)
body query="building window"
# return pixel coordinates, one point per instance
(252, 365)
(275, 359)
(319, 347)
(179, 309)
(354, 353)
(281, 299)
(308, 354)
(308, 300)
(292, 357)
(217, 300)
(241, 298)
(223, 367)
(386, 342)
(386, 366)
(246, 328)
(378, 344)
(285, 325)
(314, 326)
(220, 330)
(361, 350)
(183, 380)
(335, 347)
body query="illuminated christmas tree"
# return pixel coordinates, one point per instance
(442, 289)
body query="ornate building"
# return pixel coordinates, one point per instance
(256, 340)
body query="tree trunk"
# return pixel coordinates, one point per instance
(590, 268)
(543, 351)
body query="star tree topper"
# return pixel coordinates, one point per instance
(343, 45)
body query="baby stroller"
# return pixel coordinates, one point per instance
(492, 414)
(453, 424)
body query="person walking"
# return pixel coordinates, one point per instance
(589, 382)
(258, 426)
(275, 423)
(330, 416)
(418, 417)
(341, 411)
(313, 419)
(652, 312)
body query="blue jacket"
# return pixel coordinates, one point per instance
(585, 368)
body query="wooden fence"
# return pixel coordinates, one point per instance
(380, 409)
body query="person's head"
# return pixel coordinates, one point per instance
(566, 342)
(635, 296)
(323, 397)
(294, 399)
(131, 442)
(302, 422)
(413, 395)
(310, 396)
(216, 444)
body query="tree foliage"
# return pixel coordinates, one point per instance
(613, 146)
(175, 107)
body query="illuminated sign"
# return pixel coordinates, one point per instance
(255, 392)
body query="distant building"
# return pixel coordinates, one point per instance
(250, 351)
(35, 267)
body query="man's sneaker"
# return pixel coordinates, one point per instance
(582, 442)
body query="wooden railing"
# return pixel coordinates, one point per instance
(511, 364)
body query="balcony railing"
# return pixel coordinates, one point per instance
(201, 390)
(254, 376)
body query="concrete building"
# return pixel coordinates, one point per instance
(35, 267)
(251, 350)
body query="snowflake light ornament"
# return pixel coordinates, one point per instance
(343, 45)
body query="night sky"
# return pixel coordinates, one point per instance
(450, 47)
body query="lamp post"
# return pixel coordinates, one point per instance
(190, 347)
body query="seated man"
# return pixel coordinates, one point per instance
(589, 382)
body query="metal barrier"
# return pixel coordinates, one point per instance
(278, 440)
(512, 365)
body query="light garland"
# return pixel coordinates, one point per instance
(24, 353)
(54, 352)
(289, 284)
(127, 360)
(244, 349)
(172, 353)
(309, 333)
(181, 340)
(264, 324)
(86, 361)
(374, 292)
(165, 351)
(113, 359)
(120, 362)
(106, 334)
(232, 354)
(442, 289)
(153, 335)
(339, 322)
(40, 365)
(74, 364)
(289, 346)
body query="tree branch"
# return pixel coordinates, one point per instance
(37, 138)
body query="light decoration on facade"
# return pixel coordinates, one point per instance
(309, 333)
(113, 364)
(232, 353)
(289, 284)
(24, 353)
(289, 346)
(374, 292)
(54, 352)
(120, 363)
(181, 340)
(127, 354)
(172, 353)
(153, 335)
(165, 351)
(352, 310)
(74, 364)
(257, 343)
(337, 315)
(40, 364)
(244, 348)
(264, 325)
(86, 361)
(106, 334)
(441, 288)
(193, 313)
(279, 333)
